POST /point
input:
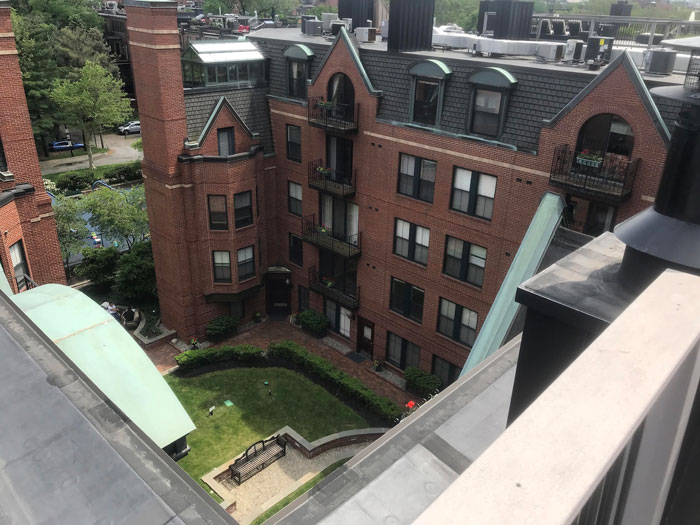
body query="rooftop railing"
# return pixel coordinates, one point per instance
(603, 443)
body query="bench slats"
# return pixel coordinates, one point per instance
(259, 455)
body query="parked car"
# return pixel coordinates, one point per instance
(64, 145)
(130, 127)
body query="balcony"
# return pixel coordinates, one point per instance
(334, 182)
(609, 179)
(331, 116)
(336, 290)
(343, 244)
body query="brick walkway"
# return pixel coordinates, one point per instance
(163, 355)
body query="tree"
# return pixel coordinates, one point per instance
(136, 275)
(119, 215)
(76, 46)
(99, 265)
(71, 227)
(94, 101)
(62, 12)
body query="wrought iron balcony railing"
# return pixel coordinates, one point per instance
(336, 182)
(332, 115)
(324, 237)
(609, 179)
(339, 290)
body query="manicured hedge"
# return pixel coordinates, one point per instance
(324, 370)
(313, 322)
(82, 179)
(192, 359)
(420, 382)
(221, 327)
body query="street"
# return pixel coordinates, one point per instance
(120, 151)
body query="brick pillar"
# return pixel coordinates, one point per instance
(155, 57)
(33, 221)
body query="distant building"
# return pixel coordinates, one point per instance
(389, 190)
(29, 250)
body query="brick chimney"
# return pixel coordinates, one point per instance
(25, 207)
(155, 57)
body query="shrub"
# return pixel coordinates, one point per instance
(192, 359)
(99, 266)
(326, 371)
(421, 383)
(136, 275)
(313, 322)
(123, 172)
(77, 180)
(221, 327)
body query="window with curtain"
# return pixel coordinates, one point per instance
(417, 177)
(243, 209)
(487, 112)
(294, 203)
(246, 263)
(425, 102)
(464, 261)
(218, 215)
(222, 266)
(411, 241)
(473, 193)
(457, 322)
(296, 75)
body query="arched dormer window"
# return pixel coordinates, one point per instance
(427, 91)
(491, 88)
(299, 59)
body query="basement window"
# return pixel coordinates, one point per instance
(427, 91)
(491, 87)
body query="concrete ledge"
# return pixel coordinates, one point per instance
(339, 439)
(144, 340)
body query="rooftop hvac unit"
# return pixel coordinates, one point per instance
(551, 51)
(573, 50)
(599, 48)
(336, 25)
(366, 34)
(659, 61)
(327, 19)
(304, 19)
(314, 27)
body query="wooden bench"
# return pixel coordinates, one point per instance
(258, 456)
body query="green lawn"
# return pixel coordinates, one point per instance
(298, 492)
(295, 401)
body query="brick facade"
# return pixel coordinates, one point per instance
(183, 241)
(25, 207)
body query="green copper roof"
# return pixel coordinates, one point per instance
(504, 308)
(298, 52)
(493, 76)
(107, 354)
(430, 68)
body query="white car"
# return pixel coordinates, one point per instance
(130, 127)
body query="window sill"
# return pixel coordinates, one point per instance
(414, 199)
(294, 160)
(395, 369)
(247, 279)
(294, 214)
(402, 316)
(414, 263)
(223, 283)
(246, 227)
(475, 217)
(300, 266)
(218, 230)
(467, 283)
(446, 338)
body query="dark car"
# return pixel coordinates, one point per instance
(64, 145)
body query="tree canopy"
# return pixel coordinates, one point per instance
(119, 215)
(71, 227)
(92, 101)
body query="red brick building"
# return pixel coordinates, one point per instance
(388, 190)
(29, 250)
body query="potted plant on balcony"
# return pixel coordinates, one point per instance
(324, 171)
(324, 104)
(328, 282)
(588, 158)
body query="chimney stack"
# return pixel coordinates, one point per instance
(667, 235)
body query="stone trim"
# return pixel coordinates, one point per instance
(291, 115)
(153, 46)
(153, 31)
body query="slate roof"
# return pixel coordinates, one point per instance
(250, 104)
(69, 456)
(543, 90)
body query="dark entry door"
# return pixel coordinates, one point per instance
(365, 336)
(279, 295)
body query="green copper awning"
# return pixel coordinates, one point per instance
(107, 354)
(525, 263)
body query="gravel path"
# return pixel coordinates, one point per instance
(269, 486)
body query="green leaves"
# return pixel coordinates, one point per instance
(71, 227)
(119, 215)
